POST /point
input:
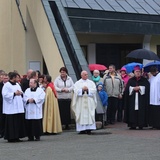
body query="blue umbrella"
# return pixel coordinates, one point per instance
(149, 65)
(130, 66)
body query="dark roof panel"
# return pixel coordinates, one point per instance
(154, 5)
(151, 7)
(105, 5)
(116, 6)
(93, 4)
(157, 1)
(71, 4)
(146, 7)
(64, 3)
(126, 6)
(82, 4)
(137, 7)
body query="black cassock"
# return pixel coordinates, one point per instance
(24, 84)
(2, 116)
(136, 118)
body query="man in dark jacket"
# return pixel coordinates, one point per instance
(25, 81)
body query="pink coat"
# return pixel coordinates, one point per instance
(125, 78)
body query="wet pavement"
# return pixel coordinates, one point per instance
(115, 142)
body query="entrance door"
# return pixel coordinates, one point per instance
(107, 54)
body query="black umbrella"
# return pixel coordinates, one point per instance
(143, 54)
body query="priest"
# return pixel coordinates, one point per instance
(137, 100)
(33, 100)
(14, 109)
(51, 117)
(154, 110)
(84, 104)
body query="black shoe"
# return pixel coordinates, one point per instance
(29, 139)
(67, 127)
(132, 128)
(11, 140)
(112, 122)
(82, 132)
(18, 140)
(105, 123)
(89, 132)
(1, 136)
(140, 128)
(37, 139)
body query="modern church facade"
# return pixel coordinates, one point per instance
(47, 34)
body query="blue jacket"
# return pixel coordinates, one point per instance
(103, 95)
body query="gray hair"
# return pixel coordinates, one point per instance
(96, 71)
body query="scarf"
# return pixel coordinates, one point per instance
(96, 79)
(53, 88)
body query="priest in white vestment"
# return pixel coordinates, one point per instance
(154, 108)
(13, 108)
(33, 100)
(84, 104)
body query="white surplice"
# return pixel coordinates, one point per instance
(141, 91)
(155, 90)
(12, 104)
(34, 110)
(84, 105)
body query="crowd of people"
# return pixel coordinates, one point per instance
(29, 106)
(133, 98)
(34, 105)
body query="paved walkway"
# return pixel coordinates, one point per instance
(114, 143)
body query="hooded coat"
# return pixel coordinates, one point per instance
(103, 95)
